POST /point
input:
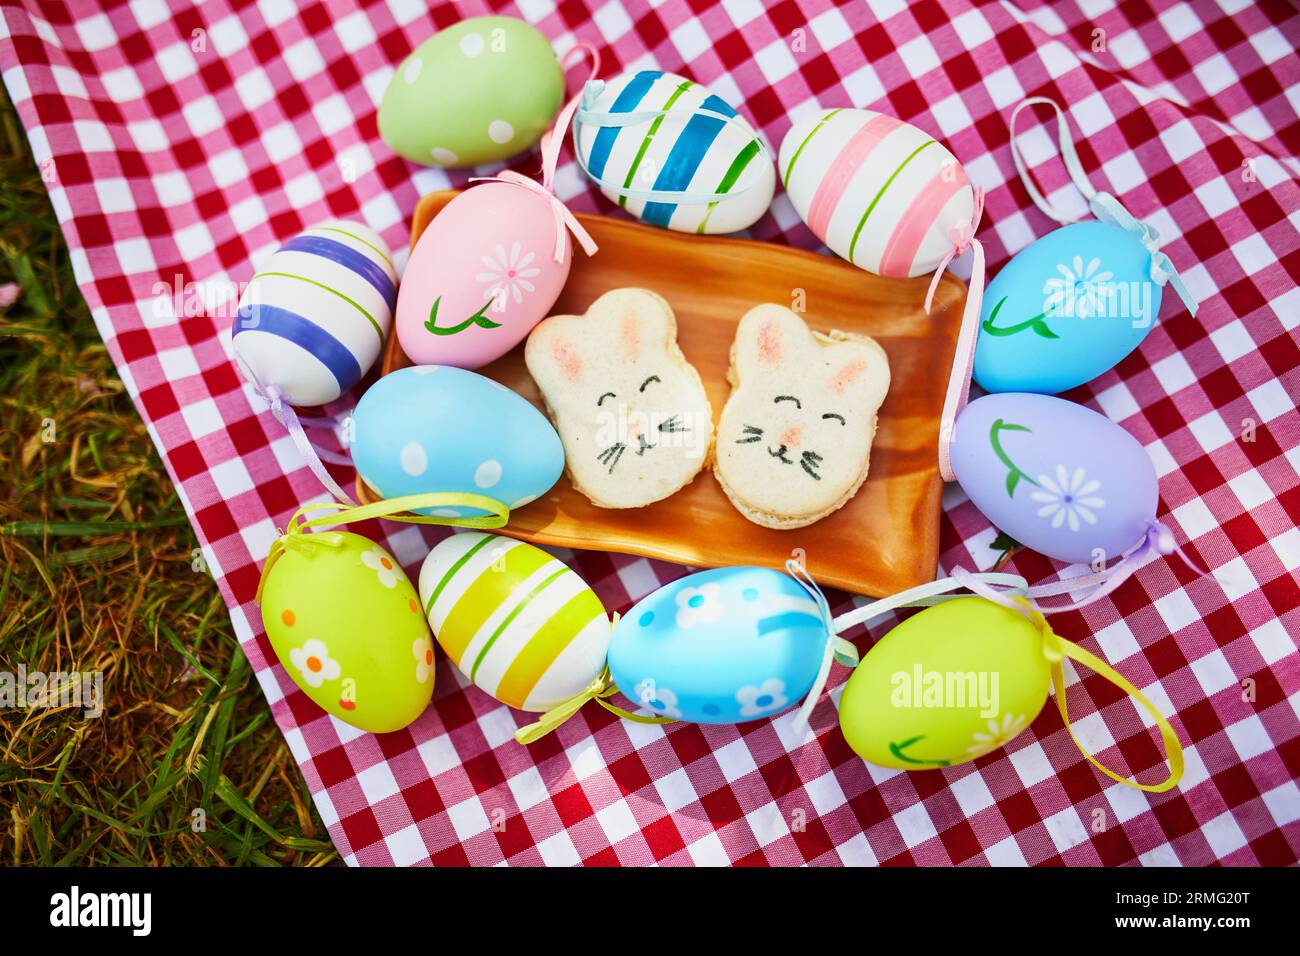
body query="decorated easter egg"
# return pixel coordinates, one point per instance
(482, 274)
(690, 162)
(949, 684)
(1066, 309)
(436, 428)
(720, 646)
(879, 192)
(347, 627)
(477, 92)
(1056, 476)
(516, 621)
(314, 318)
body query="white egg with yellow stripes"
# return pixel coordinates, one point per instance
(879, 192)
(672, 153)
(314, 318)
(516, 621)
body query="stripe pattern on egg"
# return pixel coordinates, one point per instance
(516, 621)
(314, 318)
(879, 192)
(685, 151)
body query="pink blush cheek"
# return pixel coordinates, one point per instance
(484, 223)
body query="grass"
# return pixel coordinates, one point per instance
(185, 766)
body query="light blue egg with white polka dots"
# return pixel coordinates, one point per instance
(720, 647)
(435, 428)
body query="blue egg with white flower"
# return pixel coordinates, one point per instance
(436, 428)
(1066, 309)
(720, 647)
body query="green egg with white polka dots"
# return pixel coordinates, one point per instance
(477, 92)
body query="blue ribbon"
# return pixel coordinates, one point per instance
(1110, 210)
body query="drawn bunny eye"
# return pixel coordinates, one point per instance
(835, 416)
(600, 401)
(788, 398)
(652, 378)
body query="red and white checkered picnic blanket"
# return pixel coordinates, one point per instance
(192, 140)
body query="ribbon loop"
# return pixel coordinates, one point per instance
(393, 509)
(1056, 649)
(1068, 155)
(1104, 206)
(1172, 746)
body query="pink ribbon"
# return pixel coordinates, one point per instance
(552, 141)
(1158, 540)
(962, 237)
(286, 416)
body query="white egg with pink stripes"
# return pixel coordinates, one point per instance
(879, 192)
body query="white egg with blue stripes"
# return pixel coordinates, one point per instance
(314, 318)
(673, 154)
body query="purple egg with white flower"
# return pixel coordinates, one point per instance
(720, 646)
(1056, 476)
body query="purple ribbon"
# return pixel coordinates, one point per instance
(1158, 541)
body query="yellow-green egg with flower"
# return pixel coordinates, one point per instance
(347, 626)
(952, 683)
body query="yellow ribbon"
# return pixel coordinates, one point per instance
(392, 509)
(1056, 649)
(597, 690)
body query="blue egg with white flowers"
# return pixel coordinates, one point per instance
(434, 428)
(1066, 309)
(720, 647)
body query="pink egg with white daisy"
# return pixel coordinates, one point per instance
(486, 270)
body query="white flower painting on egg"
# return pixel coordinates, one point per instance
(1067, 499)
(507, 276)
(382, 565)
(997, 734)
(1081, 292)
(314, 663)
(422, 650)
(659, 699)
(702, 605)
(767, 697)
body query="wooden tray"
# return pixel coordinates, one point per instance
(887, 537)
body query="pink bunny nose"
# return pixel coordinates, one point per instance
(634, 428)
(791, 436)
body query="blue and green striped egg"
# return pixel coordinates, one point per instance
(680, 145)
(315, 316)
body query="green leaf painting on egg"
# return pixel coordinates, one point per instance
(897, 750)
(480, 91)
(1014, 474)
(478, 318)
(1037, 324)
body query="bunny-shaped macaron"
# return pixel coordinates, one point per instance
(631, 411)
(794, 441)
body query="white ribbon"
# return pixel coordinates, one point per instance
(1108, 209)
(840, 649)
(1104, 206)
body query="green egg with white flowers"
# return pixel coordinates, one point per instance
(477, 92)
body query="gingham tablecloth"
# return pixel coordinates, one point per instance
(191, 141)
